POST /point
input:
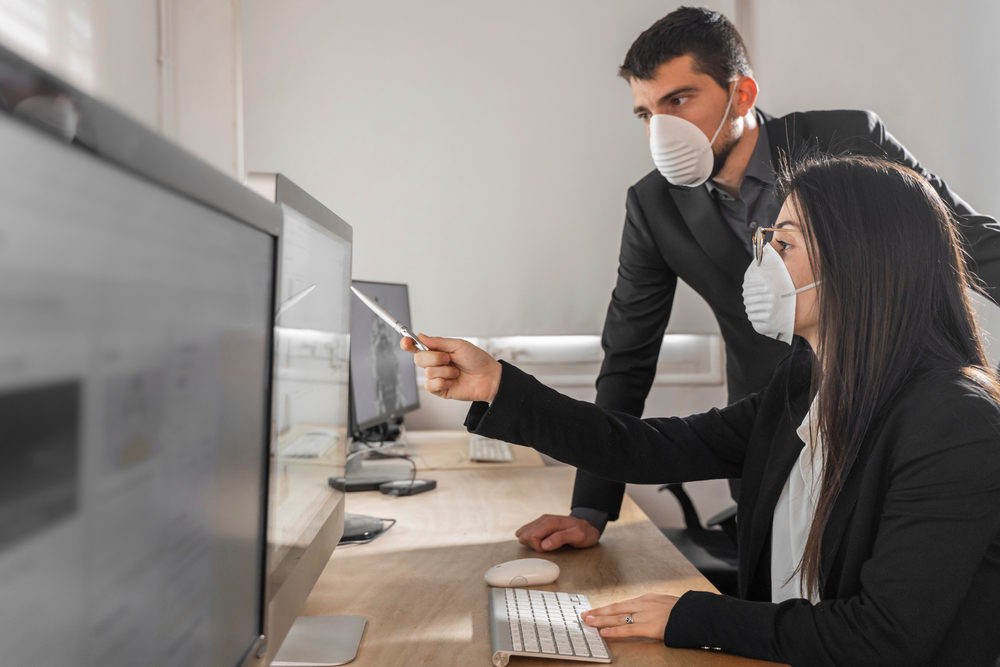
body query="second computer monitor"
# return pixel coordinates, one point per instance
(383, 377)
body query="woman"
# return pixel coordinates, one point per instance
(869, 515)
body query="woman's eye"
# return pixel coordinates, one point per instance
(783, 245)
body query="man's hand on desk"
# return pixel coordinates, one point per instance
(549, 532)
(644, 616)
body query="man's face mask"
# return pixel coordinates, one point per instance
(682, 152)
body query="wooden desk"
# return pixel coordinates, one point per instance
(420, 585)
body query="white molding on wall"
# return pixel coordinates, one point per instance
(167, 120)
(573, 361)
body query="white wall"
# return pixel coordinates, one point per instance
(481, 151)
(203, 95)
(106, 47)
(928, 68)
(448, 133)
(173, 65)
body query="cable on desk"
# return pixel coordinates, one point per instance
(366, 540)
(369, 448)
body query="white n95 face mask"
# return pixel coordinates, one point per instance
(769, 296)
(681, 152)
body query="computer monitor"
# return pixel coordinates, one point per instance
(137, 292)
(383, 377)
(311, 399)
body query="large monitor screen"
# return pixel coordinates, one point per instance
(313, 336)
(135, 345)
(383, 377)
(310, 387)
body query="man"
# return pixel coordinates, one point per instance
(693, 87)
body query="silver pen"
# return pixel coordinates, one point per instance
(400, 328)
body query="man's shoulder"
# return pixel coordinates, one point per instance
(651, 182)
(826, 125)
(651, 195)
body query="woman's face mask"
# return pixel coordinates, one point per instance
(769, 296)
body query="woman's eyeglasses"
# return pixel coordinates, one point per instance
(759, 241)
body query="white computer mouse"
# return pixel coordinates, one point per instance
(523, 572)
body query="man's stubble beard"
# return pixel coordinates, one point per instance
(719, 158)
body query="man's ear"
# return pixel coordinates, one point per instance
(746, 95)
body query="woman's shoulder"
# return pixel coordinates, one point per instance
(942, 408)
(793, 374)
(955, 387)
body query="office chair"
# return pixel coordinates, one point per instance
(711, 548)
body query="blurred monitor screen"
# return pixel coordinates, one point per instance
(311, 397)
(135, 352)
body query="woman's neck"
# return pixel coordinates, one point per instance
(812, 337)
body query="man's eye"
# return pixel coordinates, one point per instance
(644, 116)
(677, 101)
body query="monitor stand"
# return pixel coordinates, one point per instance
(383, 433)
(321, 641)
(366, 474)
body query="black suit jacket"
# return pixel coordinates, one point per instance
(673, 233)
(910, 555)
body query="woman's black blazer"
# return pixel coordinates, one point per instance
(910, 556)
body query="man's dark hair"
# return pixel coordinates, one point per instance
(705, 35)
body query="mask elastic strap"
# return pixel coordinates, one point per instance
(725, 114)
(802, 289)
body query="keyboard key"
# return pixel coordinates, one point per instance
(579, 645)
(488, 450)
(562, 641)
(591, 634)
(310, 445)
(599, 651)
(594, 641)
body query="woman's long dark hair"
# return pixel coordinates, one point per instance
(892, 301)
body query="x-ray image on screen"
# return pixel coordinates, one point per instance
(390, 390)
(383, 377)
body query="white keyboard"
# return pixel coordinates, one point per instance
(488, 450)
(542, 624)
(309, 445)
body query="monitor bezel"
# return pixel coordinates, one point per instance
(358, 427)
(107, 134)
(285, 600)
(290, 194)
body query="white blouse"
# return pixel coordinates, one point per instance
(793, 515)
